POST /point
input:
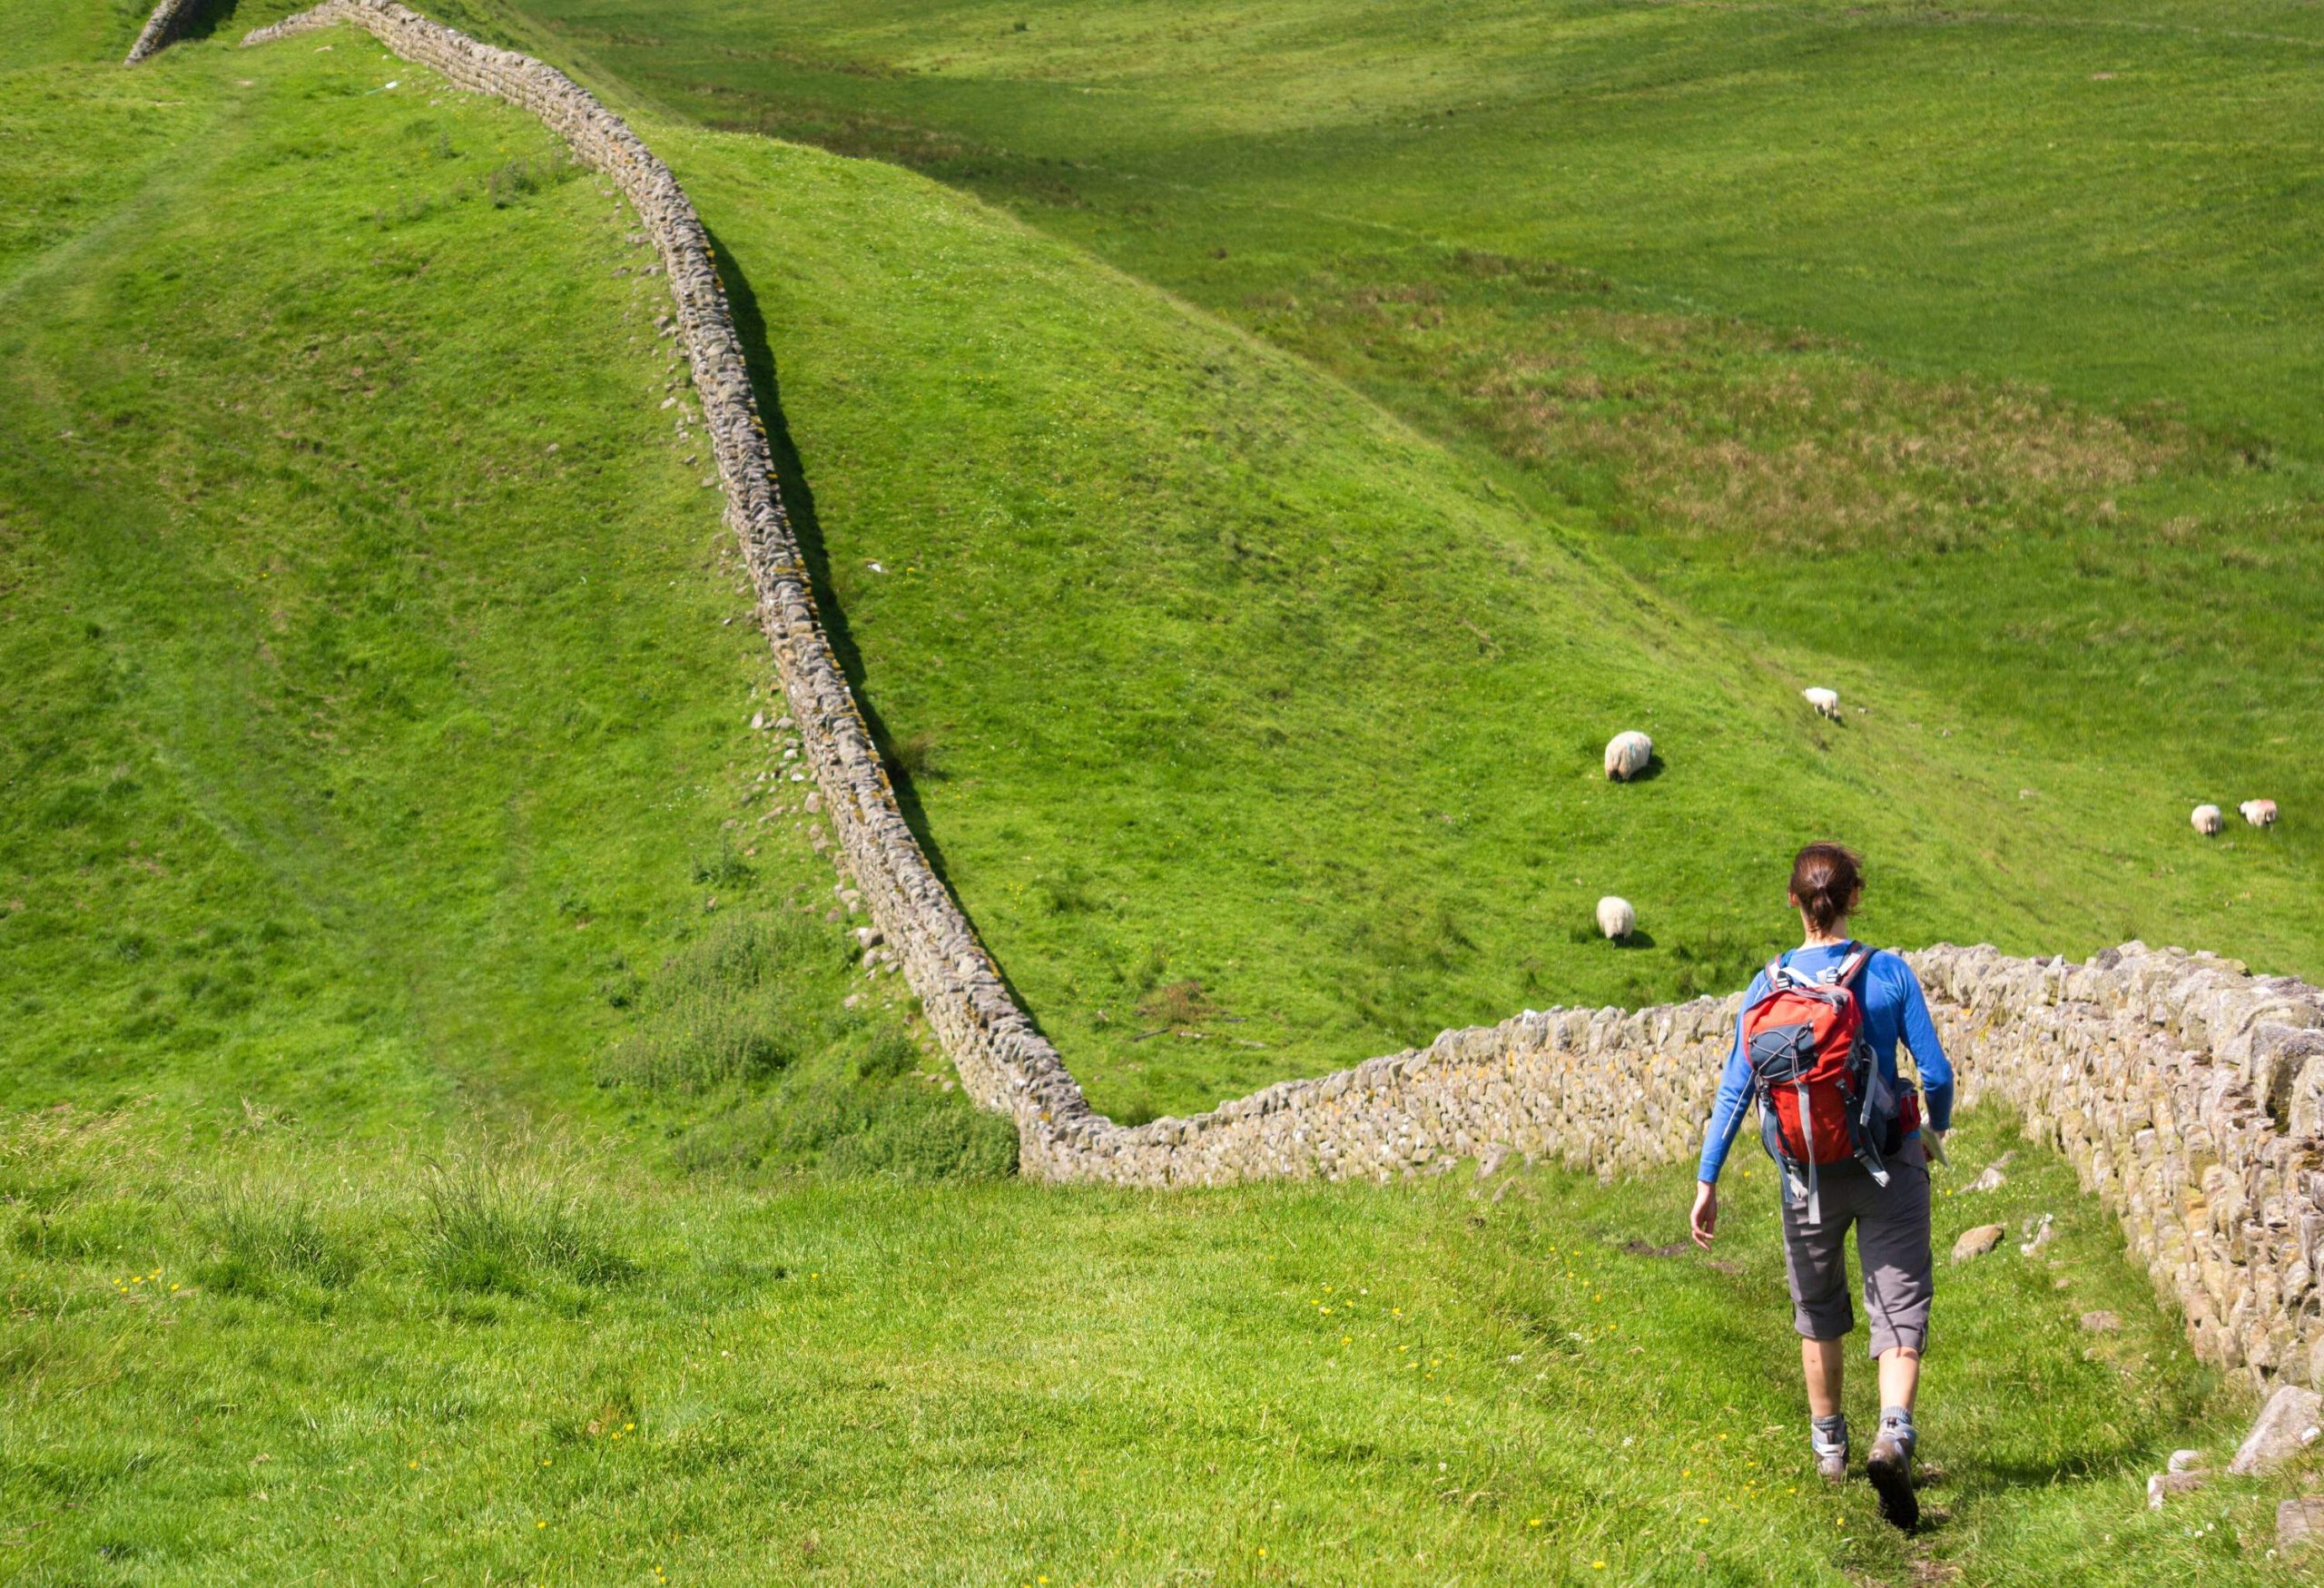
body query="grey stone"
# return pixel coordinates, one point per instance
(2102, 1323)
(2163, 1484)
(2286, 1423)
(2298, 1523)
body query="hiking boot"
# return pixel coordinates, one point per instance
(1890, 1468)
(1827, 1441)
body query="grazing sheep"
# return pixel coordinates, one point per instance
(2206, 820)
(1627, 755)
(2258, 813)
(1615, 919)
(1826, 702)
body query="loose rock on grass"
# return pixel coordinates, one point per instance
(2286, 1423)
(1977, 1242)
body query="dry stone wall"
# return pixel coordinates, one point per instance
(168, 19)
(1002, 1059)
(2188, 1093)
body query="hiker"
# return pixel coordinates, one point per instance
(1815, 1047)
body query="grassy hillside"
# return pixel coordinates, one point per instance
(1955, 361)
(1204, 671)
(438, 1140)
(379, 748)
(1258, 727)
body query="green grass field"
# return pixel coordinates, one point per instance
(547, 1362)
(447, 1133)
(1958, 361)
(1755, 338)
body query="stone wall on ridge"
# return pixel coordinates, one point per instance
(168, 19)
(2188, 1093)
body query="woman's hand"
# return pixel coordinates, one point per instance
(1704, 1222)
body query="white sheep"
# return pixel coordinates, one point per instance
(1627, 755)
(1615, 919)
(2258, 813)
(2206, 820)
(1826, 702)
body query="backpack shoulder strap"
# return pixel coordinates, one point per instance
(1852, 968)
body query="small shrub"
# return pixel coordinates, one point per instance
(719, 1011)
(892, 1054)
(723, 867)
(505, 184)
(708, 1046)
(916, 1134)
(738, 956)
(1067, 893)
(914, 757)
(901, 1128)
(1177, 1005)
(620, 986)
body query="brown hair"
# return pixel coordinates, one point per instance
(1826, 880)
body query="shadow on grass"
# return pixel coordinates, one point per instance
(806, 527)
(207, 20)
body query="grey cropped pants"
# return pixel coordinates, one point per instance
(1892, 1247)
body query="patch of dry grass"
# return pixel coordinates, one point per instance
(1713, 426)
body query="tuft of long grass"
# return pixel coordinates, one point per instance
(262, 1235)
(503, 1224)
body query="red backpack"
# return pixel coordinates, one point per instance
(1822, 1097)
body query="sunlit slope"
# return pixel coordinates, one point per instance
(376, 780)
(2106, 199)
(379, 674)
(1256, 732)
(1948, 357)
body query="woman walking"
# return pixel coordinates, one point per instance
(1816, 1046)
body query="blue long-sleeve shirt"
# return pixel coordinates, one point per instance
(1893, 1007)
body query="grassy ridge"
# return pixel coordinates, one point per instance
(1255, 733)
(1204, 671)
(384, 673)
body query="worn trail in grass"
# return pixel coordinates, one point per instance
(561, 1369)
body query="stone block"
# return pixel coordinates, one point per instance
(2286, 1426)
